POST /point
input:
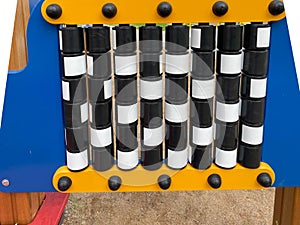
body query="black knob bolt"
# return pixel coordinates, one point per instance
(164, 9)
(54, 11)
(276, 7)
(220, 8)
(264, 179)
(64, 183)
(109, 10)
(164, 182)
(114, 183)
(214, 181)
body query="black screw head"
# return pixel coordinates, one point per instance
(114, 183)
(164, 9)
(64, 183)
(164, 182)
(264, 179)
(109, 10)
(215, 181)
(54, 11)
(276, 7)
(220, 8)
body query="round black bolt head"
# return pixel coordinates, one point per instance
(214, 181)
(64, 183)
(109, 10)
(220, 8)
(264, 179)
(164, 182)
(276, 7)
(164, 9)
(114, 183)
(54, 11)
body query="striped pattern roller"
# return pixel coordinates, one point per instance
(125, 65)
(74, 96)
(229, 63)
(151, 93)
(100, 96)
(202, 92)
(253, 93)
(176, 95)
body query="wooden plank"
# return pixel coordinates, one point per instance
(19, 208)
(287, 206)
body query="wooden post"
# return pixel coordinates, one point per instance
(19, 208)
(287, 206)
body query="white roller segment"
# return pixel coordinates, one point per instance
(252, 135)
(176, 113)
(153, 137)
(77, 161)
(177, 64)
(125, 65)
(203, 89)
(66, 90)
(227, 112)
(84, 112)
(151, 90)
(177, 159)
(74, 66)
(7, 21)
(90, 65)
(258, 88)
(107, 89)
(196, 38)
(226, 159)
(127, 160)
(231, 64)
(202, 136)
(127, 114)
(263, 37)
(101, 138)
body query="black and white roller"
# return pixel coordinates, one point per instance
(100, 96)
(202, 92)
(151, 94)
(228, 68)
(176, 95)
(253, 93)
(125, 69)
(74, 95)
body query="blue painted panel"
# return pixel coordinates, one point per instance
(281, 141)
(32, 134)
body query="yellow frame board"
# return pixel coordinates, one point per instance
(145, 11)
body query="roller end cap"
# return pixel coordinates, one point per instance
(220, 8)
(54, 11)
(114, 183)
(164, 182)
(214, 181)
(64, 183)
(109, 10)
(264, 180)
(276, 7)
(164, 9)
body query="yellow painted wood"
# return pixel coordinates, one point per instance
(139, 179)
(145, 11)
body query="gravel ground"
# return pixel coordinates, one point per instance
(174, 208)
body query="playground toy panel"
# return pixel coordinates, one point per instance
(120, 108)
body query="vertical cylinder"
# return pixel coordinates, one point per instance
(125, 64)
(74, 96)
(176, 95)
(151, 93)
(202, 92)
(100, 96)
(229, 63)
(253, 93)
